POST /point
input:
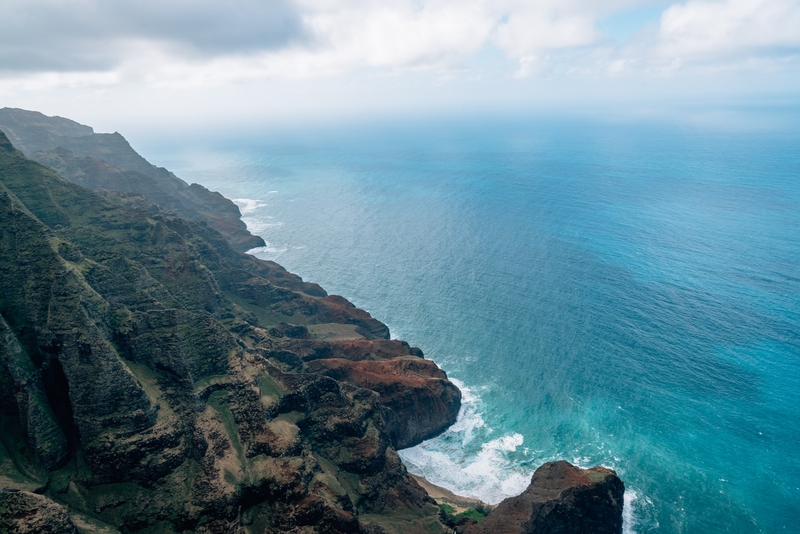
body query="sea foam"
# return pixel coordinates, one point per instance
(463, 461)
(248, 205)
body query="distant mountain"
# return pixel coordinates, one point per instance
(108, 162)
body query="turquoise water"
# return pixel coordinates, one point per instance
(625, 295)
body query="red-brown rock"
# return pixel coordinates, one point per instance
(418, 400)
(561, 499)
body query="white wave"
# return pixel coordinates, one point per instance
(449, 460)
(628, 520)
(268, 252)
(258, 225)
(247, 205)
(468, 418)
(638, 512)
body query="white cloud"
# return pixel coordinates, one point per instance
(714, 31)
(536, 27)
(401, 33)
(243, 39)
(46, 44)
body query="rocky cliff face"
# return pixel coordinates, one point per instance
(149, 378)
(23, 512)
(155, 379)
(107, 162)
(561, 499)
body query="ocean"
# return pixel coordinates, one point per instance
(624, 294)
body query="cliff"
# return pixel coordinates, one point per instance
(155, 378)
(561, 499)
(149, 379)
(107, 162)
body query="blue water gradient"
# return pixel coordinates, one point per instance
(625, 295)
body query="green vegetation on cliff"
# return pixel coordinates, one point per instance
(107, 162)
(153, 378)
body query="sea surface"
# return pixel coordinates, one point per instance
(616, 294)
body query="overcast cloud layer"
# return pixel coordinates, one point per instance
(315, 38)
(48, 45)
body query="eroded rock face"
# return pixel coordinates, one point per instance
(419, 402)
(561, 499)
(108, 162)
(22, 512)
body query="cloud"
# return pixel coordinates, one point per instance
(391, 35)
(186, 43)
(713, 31)
(279, 37)
(536, 27)
(87, 35)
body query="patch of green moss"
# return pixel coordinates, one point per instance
(211, 380)
(293, 417)
(423, 519)
(269, 388)
(473, 513)
(446, 508)
(596, 476)
(148, 379)
(215, 400)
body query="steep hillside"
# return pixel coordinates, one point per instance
(151, 379)
(108, 162)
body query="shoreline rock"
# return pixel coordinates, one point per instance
(561, 499)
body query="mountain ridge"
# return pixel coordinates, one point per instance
(107, 161)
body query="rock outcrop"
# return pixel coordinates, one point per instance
(22, 512)
(419, 402)
(561, 499)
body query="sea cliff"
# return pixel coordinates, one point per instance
(153, 377)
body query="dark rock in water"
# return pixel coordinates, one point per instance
(561, 499)
(22, 512)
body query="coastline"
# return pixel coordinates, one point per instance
(297, 394)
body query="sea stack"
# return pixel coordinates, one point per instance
(561, 499)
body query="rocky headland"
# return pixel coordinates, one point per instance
(155, 378)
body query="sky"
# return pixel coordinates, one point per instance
(202, 62)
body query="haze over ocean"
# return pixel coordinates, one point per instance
(625, 295)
